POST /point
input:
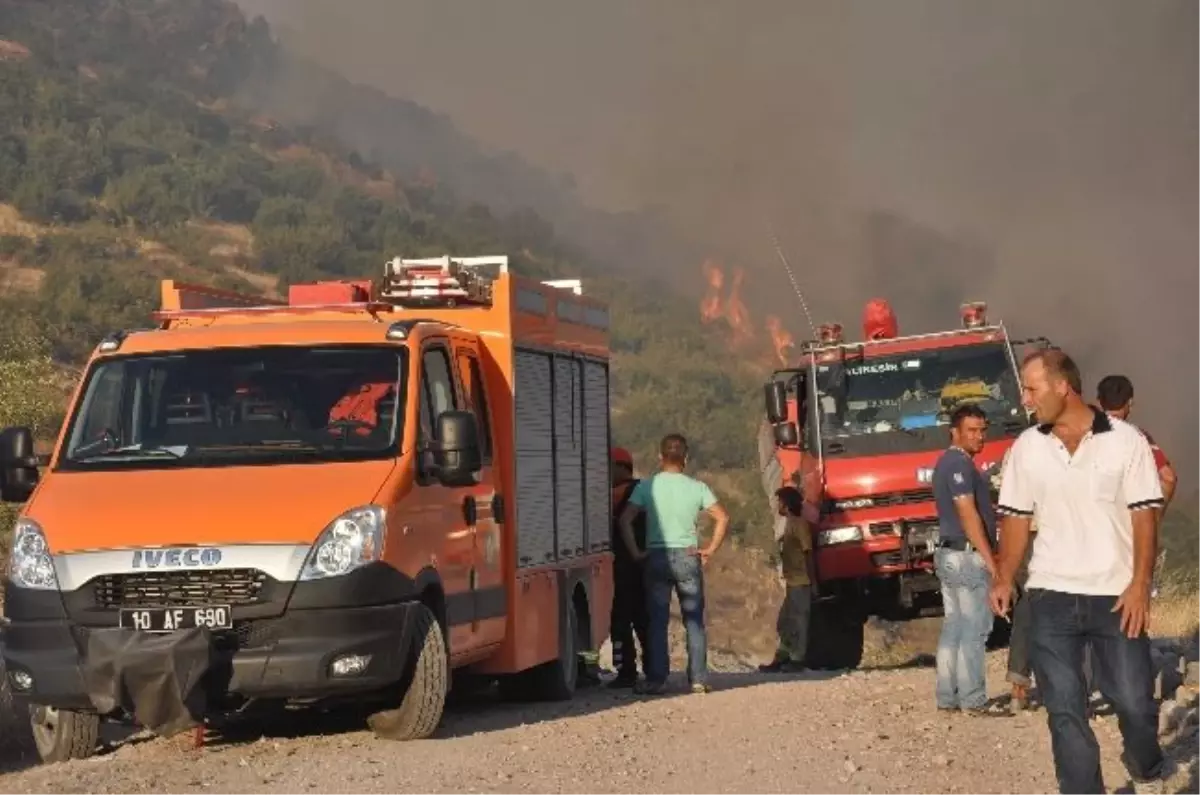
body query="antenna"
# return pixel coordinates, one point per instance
(792, 278)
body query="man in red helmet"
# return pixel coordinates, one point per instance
(629, 613)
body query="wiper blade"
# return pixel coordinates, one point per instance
(285, 446)
(138, 450)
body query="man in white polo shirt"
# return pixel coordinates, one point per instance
(1090, 483)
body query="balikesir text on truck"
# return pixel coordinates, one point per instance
(860, 425)
(367, 492)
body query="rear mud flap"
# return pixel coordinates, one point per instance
(157, 678)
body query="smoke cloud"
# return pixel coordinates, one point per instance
(1039, 156)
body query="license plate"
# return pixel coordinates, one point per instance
(169, 619)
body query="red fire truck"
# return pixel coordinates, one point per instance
(860, 425)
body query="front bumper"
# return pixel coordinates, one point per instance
(286, 656)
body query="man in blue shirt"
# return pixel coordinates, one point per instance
(965, 564)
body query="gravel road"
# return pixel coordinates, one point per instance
(868, 731)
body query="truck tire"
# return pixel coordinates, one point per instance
(556, 680)
(835, 637)
(420, 712)
(63, 734)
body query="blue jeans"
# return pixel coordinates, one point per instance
(965, 629)
(1061, 625)
(677, 570)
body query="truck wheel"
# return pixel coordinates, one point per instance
(835, 637)
(420, 712)
(62, 734)
(556, 680)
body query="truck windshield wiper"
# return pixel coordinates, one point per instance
(281, 446)
(137, 451)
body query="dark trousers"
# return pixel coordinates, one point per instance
(1018, 643)
(1061, 624)
(629, 617)
(792, 623)
(1018, 639)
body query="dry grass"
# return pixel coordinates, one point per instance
(1175, 617)
(11, 50)
(743, 595)
(14, 277)
(265, 283)
(11, 223)
(236, 239)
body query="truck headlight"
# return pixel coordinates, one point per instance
(30, 564)
(353, 539)
(839, 535)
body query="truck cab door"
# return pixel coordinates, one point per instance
(439, 513)
(487, 513)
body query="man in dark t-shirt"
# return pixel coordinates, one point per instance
(965, 564)
(630, 615)
(1114, 393)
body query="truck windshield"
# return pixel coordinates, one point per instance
(902, 402)
(235, 406)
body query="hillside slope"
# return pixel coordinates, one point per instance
(124, 159)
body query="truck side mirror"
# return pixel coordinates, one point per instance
(786, 434)
(776, 395)
(456, 453)
(18, 465)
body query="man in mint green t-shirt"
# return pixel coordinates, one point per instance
(673, 559)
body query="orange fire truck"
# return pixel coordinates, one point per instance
(860, 425)
(346, 495)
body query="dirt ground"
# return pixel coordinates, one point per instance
(870, 731)
(874, 730)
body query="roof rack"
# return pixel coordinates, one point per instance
(440, 281)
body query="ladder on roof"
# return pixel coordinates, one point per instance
(440, 281)
(449, 281)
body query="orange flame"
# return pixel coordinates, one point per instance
(781, 338)
(736, 312)
(710, 307)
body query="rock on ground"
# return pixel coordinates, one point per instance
(867, 731)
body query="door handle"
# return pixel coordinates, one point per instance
(470, 511)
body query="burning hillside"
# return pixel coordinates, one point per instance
(718, 305)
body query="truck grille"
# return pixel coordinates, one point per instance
(179, 588)
(904, 497)
(886, 499)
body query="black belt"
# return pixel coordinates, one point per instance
(956, 544)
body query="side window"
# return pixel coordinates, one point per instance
(477, 397)
(437, 394)
(438, 382)
(104, 411)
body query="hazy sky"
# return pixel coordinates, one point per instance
(1037, 154)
